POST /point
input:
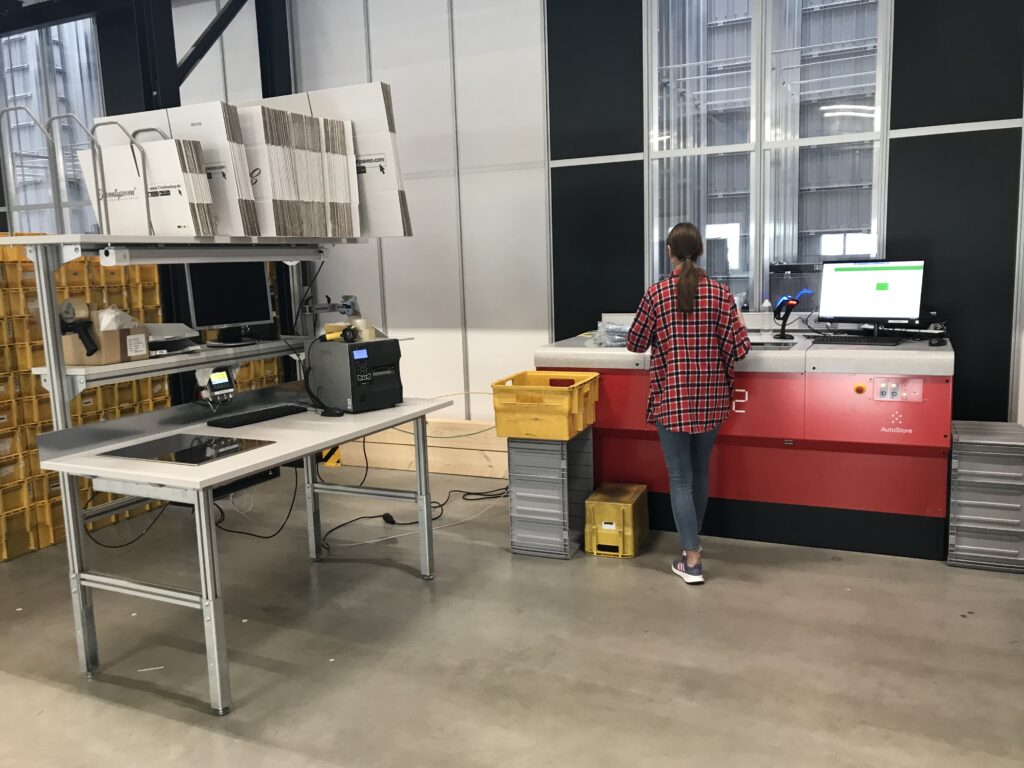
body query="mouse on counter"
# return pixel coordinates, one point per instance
(939, 342)
(332, 413)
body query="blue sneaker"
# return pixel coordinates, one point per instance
(690, 574)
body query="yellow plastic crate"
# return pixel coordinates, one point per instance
(49, 522)
(8, 386)
(12, 443)
(16, 534)
(10, 414)
(545, 405)
(617, 522)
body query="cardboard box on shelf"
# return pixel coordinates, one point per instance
(117, 346)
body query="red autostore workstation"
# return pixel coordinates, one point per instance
(840, 447)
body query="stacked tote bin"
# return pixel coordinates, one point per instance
(986, 510)
(31, 513)
(549, 482)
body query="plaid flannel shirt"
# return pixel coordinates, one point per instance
(692, 355)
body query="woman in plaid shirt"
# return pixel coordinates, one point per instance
(696, 334)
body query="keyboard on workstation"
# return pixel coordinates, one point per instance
(882, 341)
(233, 420)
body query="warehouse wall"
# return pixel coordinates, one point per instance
(955, 178)
(235, 77)
(470, 287)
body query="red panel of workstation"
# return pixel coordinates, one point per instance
(820, 440)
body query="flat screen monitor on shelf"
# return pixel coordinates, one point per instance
(233, 299)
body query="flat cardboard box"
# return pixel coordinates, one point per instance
(118, 346)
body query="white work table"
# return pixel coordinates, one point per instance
(291, 437)
(80, 452)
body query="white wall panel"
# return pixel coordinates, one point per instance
(499, 80)
(494, 354)
(352, 269)
(242, 57)
(329, 43)
(422, 292)
(504, 226)
(499, 72)
(409, 50)
(499, 75)
(206, 81)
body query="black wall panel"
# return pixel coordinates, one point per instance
(957, 61)
(597, 214)
(953, 200)
(595, 77)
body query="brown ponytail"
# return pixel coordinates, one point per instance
(685, 243)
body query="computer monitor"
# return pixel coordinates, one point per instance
(229, 296)
(880, 292)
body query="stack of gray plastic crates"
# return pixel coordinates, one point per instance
(549, 482)
(986, 509)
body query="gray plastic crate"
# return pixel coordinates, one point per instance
(986, 509)
(549, 482)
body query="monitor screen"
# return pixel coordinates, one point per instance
(871, 290)
(229, 295)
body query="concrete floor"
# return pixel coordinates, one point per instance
(788, 656)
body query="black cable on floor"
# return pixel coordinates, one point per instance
(497, 493)
(323, 539)
(388, 518)
(295, 492)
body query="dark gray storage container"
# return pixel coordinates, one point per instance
(986, 508)
(549, 482)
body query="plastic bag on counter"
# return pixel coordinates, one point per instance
(610, 335)
(113, 318)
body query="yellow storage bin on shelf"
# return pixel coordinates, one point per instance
(545, 405)
(617, 522)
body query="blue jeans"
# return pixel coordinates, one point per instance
(686, 458)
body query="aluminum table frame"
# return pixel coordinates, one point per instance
(47, 254)
(209, 598)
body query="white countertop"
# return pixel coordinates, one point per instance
(292, 437)
(914, 358)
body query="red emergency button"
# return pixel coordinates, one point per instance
(860, 389)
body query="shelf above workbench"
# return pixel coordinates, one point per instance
(82, 377)
(124, 250)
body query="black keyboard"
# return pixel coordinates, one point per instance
(881, 341)
(254, 417)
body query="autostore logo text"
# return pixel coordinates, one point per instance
(898, 430)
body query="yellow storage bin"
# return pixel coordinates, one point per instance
(17, 534)
(617, 522)
(545, 405)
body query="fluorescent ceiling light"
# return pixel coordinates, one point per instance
(830, 107)
(832, 245)
(731, 234)
(868, 115)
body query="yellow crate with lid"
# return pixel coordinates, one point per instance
(617, 522)
(545, 405)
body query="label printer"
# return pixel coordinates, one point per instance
(354, 376)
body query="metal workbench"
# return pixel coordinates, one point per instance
(81, 452)
(48, 253)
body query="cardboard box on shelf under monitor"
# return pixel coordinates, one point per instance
(118, 346)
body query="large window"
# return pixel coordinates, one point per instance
(702, 114)
(50, 71)
(779, 179)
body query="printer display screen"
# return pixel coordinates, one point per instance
(360, 354)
